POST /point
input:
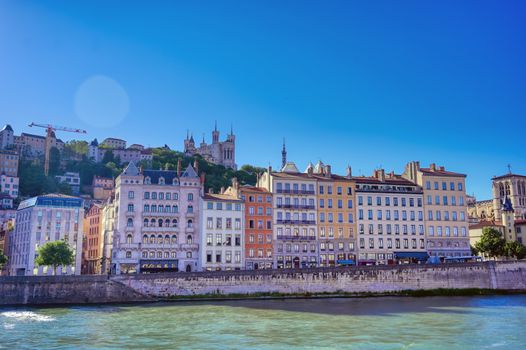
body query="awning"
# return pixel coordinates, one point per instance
(412, 255)
(345, 262)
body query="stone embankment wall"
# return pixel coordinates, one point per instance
(369, 279)
(40, 290)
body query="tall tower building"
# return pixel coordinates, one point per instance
(283, 155)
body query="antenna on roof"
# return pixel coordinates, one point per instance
(509, 169)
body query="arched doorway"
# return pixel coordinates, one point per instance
(188, 268)
(296, 262)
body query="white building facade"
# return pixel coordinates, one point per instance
(294, 216)
(222, 233)
(390, 218)
(45, 219)
(156, 221)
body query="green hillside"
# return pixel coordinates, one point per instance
(33, 181)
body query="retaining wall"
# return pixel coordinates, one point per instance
(367, 279)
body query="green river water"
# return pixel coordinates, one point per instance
(490, 322)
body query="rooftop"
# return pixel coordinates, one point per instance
(253, 189)
(485, 223)
(507, 176)
(440, 171)
(33, 135)
(221, 197)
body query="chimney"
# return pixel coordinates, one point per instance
(222, 190)
(433, 167)
(380, 174)
(203, 174)
(309, 171)
(179, 167)
(328, 171)
(196, 166)
(442, 168)
(349, 172)
(211, 190)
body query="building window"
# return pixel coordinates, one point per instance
(131, 194)
(130, 222)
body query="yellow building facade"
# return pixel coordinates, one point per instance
(336, 217)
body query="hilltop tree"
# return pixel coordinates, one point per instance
(33, 182)
(491, 243)
(3, 259)
(514, 250)
(54, 161)
(57, 253)
(108, 157)
(75, 148)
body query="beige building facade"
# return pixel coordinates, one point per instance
(446, 220)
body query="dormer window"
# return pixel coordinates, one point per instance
(161, 180)
(147, 180)
(175, 182)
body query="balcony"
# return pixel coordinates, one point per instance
(159, 229)
(296, 206)
(296, 238)
(159, 214)
(295, 191)
(296, 222)
(193, 246)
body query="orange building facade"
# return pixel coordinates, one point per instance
(258, 227)
(92, 244)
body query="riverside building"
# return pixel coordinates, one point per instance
(294, 216)
(156, 220)
(336, 216)
(390, 219)
(258, 227)
(222, 232)
(445, 209)
(93, 241)
(43, 219)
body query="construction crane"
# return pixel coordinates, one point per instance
(50, 134)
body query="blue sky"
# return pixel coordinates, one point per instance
(369, 83)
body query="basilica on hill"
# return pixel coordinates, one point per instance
(218, 152)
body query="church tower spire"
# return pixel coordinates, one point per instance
(283, 154)
(215, 134)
